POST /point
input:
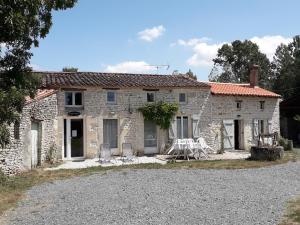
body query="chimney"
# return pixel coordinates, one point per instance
(254, 75)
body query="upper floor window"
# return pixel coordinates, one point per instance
(262, 105)
(150, 96)
(182, 98)
(73, 98)
(111, 97)
(238, 105)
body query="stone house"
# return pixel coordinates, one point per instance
(33, 138)
(83, 110)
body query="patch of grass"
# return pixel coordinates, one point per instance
(13, 188)
(292, 216)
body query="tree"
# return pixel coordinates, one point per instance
(234, 60)
(22, 24)
(286, 69)
(191, 75)
(70, 69)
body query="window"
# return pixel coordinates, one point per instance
(110, 132)
(17, 130)
(238, 105)
(262, 105)
(73, 98)
(182, 98)
(150, 96)
(261, 129)
(182, 127)
(111, 97)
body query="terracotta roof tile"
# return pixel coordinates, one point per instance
(240, 89)
(41, 93)
(117, 80)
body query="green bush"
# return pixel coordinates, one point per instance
(161, 113)
(285, 144)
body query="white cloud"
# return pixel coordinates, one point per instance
(268, 44)
(130, 67)
(150, 34)
(204, 51)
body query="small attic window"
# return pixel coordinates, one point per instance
(17, 130)
(262, 105)
(238, 105)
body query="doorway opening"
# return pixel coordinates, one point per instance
(238, 135)
(73, 138)
(150, 138)
(35, 144)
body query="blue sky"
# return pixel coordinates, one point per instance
(130, 35)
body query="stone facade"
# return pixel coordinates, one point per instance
(125, 110)
(205, 112)
(222, 108)
(16, 157)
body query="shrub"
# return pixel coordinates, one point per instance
(3, 178)
(285, 143)
(161, 113)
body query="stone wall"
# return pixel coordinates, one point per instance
(131, 122)
(16, 157)
(221, 108)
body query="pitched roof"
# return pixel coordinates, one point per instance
(41, 93)
(117, 80)
(240, 90)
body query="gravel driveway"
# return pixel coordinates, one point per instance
(249, 196)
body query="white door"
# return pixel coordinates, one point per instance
(228, 134)
(150, 138)
(73, 139)
(34, 144)
(110, 135)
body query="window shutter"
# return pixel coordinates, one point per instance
(195, 126)
(172, 129)
(269, 128)
(255, 128)
(228, 134)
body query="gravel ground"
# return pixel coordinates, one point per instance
(248, 196)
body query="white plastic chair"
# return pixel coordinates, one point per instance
(127, 152)
(105, 153)
(204, 146)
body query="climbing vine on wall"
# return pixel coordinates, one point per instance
(160, 112)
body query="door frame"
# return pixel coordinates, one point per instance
(152, 149)
(241, 132)
(115, 151)
(68, 125)
(39, 143)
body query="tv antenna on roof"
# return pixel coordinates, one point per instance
(158, 67)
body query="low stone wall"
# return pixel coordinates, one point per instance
(266, 153)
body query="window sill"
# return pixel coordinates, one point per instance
(73, 106)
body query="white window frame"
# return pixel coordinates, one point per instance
(262, 105)
(73, 98)
(261, 126)
(238, 103)
(185, 98)
(154, 96)
(115, 97)
(181, 122)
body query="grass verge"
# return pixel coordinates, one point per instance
(292, 216)
(12, 188)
